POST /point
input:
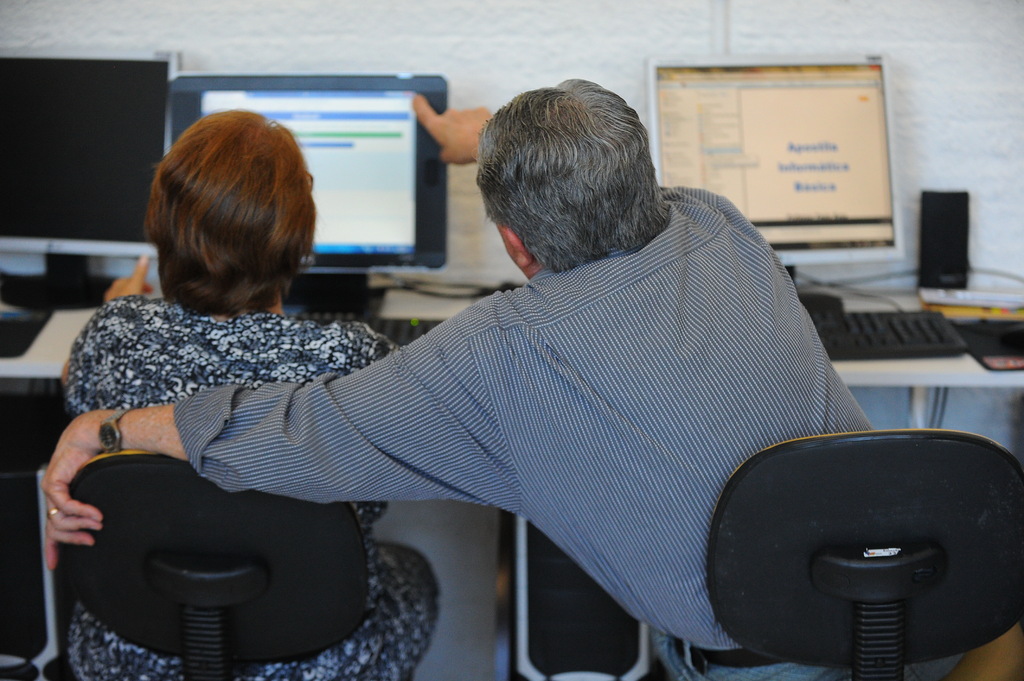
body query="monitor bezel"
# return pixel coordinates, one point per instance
(65, 245)
(792, 257)
(430, 250)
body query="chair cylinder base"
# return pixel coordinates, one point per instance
(878, 641)
(204, 644)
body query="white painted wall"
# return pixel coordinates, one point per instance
(959, 88)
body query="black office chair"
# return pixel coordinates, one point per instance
(186, 568)
(870, 550)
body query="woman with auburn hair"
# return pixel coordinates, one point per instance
(232, 217)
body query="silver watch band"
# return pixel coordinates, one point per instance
(110, 432)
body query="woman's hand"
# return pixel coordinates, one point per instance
(132, 285)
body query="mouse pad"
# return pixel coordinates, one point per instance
(983, 343)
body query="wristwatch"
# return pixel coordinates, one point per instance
(110, 434)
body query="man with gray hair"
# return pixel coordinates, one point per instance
(657, 345)
(577, 183)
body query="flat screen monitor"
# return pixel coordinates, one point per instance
(379, 185)
(378, 182)
(801, 145)
(83, 134)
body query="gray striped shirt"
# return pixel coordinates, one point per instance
(606, 404)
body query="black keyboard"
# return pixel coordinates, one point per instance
(18, 330)
(887, 335)
(401, 331)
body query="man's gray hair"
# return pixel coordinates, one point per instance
(569, 170)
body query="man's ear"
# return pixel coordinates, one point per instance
(516, 250)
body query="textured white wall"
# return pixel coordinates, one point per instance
(959, 89)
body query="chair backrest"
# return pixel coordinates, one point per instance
(290, 574)
(811, 535)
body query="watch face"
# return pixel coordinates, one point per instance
(109, 436)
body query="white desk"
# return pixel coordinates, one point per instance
(51, 348)
(46, 357)
(952, 372)
(921, 375)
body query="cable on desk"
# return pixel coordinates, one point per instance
(842, 284)
(853, 281)
(998, 273)
(849, 286)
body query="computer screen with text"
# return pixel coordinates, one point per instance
(801, 148)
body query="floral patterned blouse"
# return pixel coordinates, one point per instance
(137, 352)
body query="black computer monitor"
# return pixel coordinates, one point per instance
(379, 185)
(82, 136)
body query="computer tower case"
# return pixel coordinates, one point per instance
(567, 628)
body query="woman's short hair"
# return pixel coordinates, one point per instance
(569, 170)
(231, 214)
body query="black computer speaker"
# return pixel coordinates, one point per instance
(943, 240)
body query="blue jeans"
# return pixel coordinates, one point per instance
(679, 669)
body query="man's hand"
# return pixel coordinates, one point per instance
(456, 130)
(149, 429)
(132, 285)
(67, 520)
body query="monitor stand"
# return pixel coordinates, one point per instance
(344, 292)
(66, 284)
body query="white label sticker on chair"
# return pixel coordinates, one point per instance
(881, 553)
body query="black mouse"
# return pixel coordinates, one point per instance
(1013, 337)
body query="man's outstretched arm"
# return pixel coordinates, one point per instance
(456, 130)
(151, 429)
